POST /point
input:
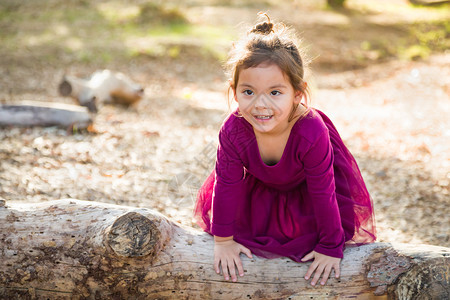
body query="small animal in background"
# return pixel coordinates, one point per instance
(104, 86)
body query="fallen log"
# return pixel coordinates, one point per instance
(72, 249)
(34, 113)
(103, 86)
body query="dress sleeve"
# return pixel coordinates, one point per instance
(228, 187)
(318, 164)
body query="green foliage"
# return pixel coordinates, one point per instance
(425, 38)
(152, 13)
(105, 32)
(435, 35)
(414, 52)
(410, 42)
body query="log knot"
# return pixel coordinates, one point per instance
(134, 235)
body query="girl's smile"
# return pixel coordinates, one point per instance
(263, 117)
(266, 98)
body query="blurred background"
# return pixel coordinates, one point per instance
(379, 68)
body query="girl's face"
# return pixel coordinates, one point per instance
(266, 98)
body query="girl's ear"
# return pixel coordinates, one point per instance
(233, 90)
(298, 97)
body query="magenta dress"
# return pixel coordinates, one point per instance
(314, 198)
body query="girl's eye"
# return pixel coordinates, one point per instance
(275, 93)
(248, 92)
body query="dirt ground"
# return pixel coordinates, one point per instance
(393, 114)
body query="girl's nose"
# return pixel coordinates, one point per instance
(261, 101)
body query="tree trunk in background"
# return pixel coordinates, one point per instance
(429, 2)
(336, 3)
(340, 3)
(72, 249)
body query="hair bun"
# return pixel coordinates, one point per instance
(263, 28)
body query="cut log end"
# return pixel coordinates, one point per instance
(65, 88)
(134, 235)
(426, 280)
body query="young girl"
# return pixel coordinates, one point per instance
(284, 183)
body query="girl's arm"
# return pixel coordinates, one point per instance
(228, 193)
(228, 187)
(318, 163)
(319, 172)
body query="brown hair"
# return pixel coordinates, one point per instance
(267, 43)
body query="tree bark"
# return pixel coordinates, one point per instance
(33, 113)
(72, 249)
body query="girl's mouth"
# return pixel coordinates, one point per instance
(263, 117)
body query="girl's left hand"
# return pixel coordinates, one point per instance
(322, 264)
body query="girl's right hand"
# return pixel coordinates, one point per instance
(226, 255)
